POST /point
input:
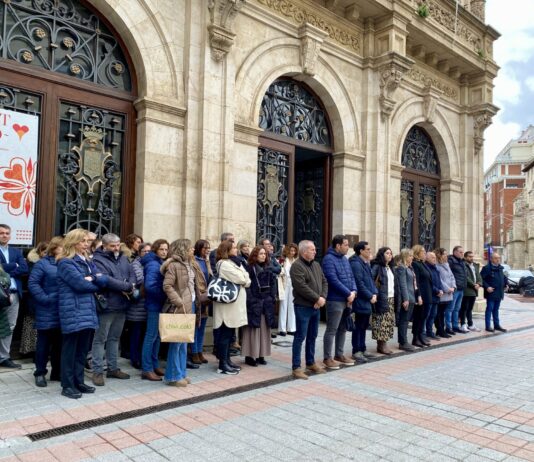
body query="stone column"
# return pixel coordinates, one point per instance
(346, 185)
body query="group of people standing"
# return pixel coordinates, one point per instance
(433, 290)
(84, 289)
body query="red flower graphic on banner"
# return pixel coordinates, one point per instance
(17, 186)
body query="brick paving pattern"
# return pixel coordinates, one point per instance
(470, 401)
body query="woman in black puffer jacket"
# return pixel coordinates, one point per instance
(261, 296)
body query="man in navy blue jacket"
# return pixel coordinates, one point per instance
(112, 263)
(494, 282)
(14, 264)
(341, 294)
(367, 294)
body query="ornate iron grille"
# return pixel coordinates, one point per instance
(406, 218)
(20, 101)
(91, 143)
(309, 205)
(62, 36)
(290, 110)
(418, 152)
(273, 183)
(427, 216)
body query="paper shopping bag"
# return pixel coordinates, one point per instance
(177, 327)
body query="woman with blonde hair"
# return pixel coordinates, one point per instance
(229, 316)
(78, 282)
(183, 283)
(408, 296)
(286, 317)
(424, 283)
(43, 287)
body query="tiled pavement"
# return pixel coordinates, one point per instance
(469, 401)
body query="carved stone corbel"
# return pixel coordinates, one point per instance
(391, 69)
(222, 16)
(482, 116)
(431, 99)
(311, 40)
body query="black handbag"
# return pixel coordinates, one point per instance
(101, 303)
(222, 291)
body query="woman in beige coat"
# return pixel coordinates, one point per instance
(182, 283)
(229, 316)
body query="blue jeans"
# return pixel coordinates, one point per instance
(432, 312)
(176, 362)
(307, 320)
(106, 340)
(361, 323)
(151, 342)
(456, 306)
(448, 315)
(198, 346)
(492, 309)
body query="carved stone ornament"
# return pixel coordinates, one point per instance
(481, 120)
(311, 40)
(222, 17)
(431, 100)
(391, 70)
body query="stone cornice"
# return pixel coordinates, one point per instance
(246, 134)
(351, 160)
(453, 184)
(304, 11)
(469, 30)
(160, 112)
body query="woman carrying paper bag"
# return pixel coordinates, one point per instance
(183, 282)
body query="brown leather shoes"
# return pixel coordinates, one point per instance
(202, 358)
(315, 368)
(299, 374)
(195, 359)
(159, 371)
(151, 376)
(382, 347)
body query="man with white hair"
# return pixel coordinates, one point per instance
(111, 262)
(494, 281)
(310, 289)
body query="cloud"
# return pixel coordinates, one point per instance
(530, 84)
(507, 89)
(497, 136)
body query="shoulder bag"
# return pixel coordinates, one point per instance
(177, 327)
(222, 291)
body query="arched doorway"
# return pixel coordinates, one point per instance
(294, 160)
(419, 223)
(67, 88)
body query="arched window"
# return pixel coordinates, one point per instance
(63, 71)
(293, 166)
(419, 223)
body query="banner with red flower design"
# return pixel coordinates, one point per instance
(19, 137)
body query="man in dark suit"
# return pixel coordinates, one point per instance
(14, 264)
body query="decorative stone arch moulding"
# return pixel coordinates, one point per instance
(257, 72)
(136, 23)
(412, 112)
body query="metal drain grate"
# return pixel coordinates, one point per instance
(86, 424)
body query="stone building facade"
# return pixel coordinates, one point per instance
(503, 182)
(520, 237)
(277, 118)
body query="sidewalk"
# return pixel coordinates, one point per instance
(26, 409)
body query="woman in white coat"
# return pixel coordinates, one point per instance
(229, 316)
(286, 316)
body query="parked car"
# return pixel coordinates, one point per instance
(514, 279)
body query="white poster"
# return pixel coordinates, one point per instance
(19, 135)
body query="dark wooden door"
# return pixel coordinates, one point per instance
(50, 96)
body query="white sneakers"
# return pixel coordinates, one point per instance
(474, 328)
(464, 328)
